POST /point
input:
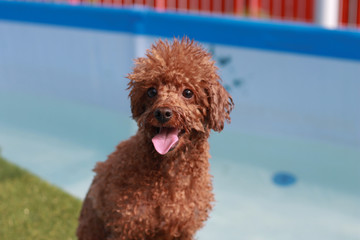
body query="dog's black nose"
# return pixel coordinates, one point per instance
(163, 114)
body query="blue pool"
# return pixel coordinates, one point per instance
(61, 140)
(288, 165)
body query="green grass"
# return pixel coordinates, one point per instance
(30, 208)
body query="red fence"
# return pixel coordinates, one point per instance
(290, 10)
(350, 13)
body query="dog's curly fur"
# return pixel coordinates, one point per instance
(140, 194)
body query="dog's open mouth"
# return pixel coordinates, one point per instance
(166, 139)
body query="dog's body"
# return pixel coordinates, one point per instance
(157, 185)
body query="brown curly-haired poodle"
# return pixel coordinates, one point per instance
(157, 185)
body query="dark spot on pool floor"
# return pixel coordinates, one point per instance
(284, 179)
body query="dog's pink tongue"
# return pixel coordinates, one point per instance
(165, 139)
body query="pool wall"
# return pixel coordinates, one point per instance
(286, 79)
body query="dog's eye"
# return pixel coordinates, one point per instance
(151, 92)
(187, 93)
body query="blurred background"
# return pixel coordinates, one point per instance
(288, 165)
(342, 13)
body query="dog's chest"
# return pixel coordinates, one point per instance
(179, 199)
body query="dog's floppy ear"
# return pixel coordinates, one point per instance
(135, 102)
(136, 94)
(220, 106)
(137, 99)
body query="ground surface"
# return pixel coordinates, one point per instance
(33, 209)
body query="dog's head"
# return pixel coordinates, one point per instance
(176, 94)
